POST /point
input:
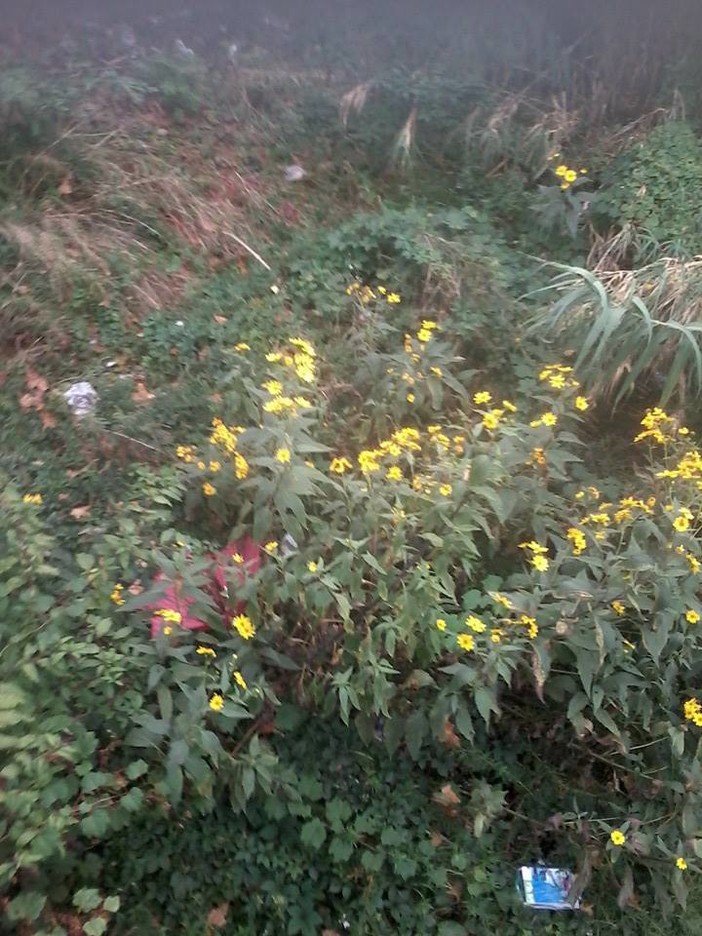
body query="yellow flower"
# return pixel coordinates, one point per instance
(271, 547)
(35, 499)
(681, 524)
(692, 617)
(393, 298)
(215, 466)
(239, 680)
(578, 539)
(565, 186)
(491, 420)
(283, 456)
(538, 456)
(694, 563)
(540, 563)
(208, 489)
(466, 641)
(496, 635)
(394, 473)
(482, 397)
(681, 864)
(571, 175)
(619, 608)
(445, 490)
(304, 346)
(692, 711)
(312, 567)
(205, 651)
(581, 403)
(116, 595)
(185, 453)
(274, 387)
(548, 419)
(241, 467)
(436, 371)
(238, 558)
(242, 346)
(531, 625)
(535, 547)
(216, 702)
(501, 600)
(274, 357)
(368, 461)
(167, 614)
(440, 624)
(424, 335)
(510, 407)
(617, 838)
(167, 631)
(475, 624)
(410, 398)
(243, 626)
(339, 465)
(201, 466)
(561, 171)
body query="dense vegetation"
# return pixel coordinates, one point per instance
(370, 570)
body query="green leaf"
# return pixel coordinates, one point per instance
(87, 899)
(26, 906)
(416, 728)
(313, 833)
(95, 927)
(486, 702)
(136, 769)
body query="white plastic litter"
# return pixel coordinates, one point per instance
(288, 546)
(182, 49)
(81, 398)
(294, 173)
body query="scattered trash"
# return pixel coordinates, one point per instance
(543, 888)
(81, 398)
(182, 49)
(294, 173)
(180, 323)
(110, 364)
(287, 546)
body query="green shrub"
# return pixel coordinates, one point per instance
(653, 191)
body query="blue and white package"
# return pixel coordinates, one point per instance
(543, 888)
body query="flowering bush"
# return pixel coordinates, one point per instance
(429, 562)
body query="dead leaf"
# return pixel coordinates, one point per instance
(436, 839)
(80, 513)
(449, 736)
(65, 188)
(141, 394)
(48, 420)
(217, 917)
(35, 381)
(447, 797)
(26, 401)
(219, 319)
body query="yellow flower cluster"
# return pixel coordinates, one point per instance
(556, 375)
(568, 175)
(692, 710)
(658, 426)
(365, 294)
(116, 595)
(578, 540)
(168, 615)
(35, 499)
(225, 437)
(426, 332)
(689, 468)
(301, 358)
(681, 524)
(538, 555)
